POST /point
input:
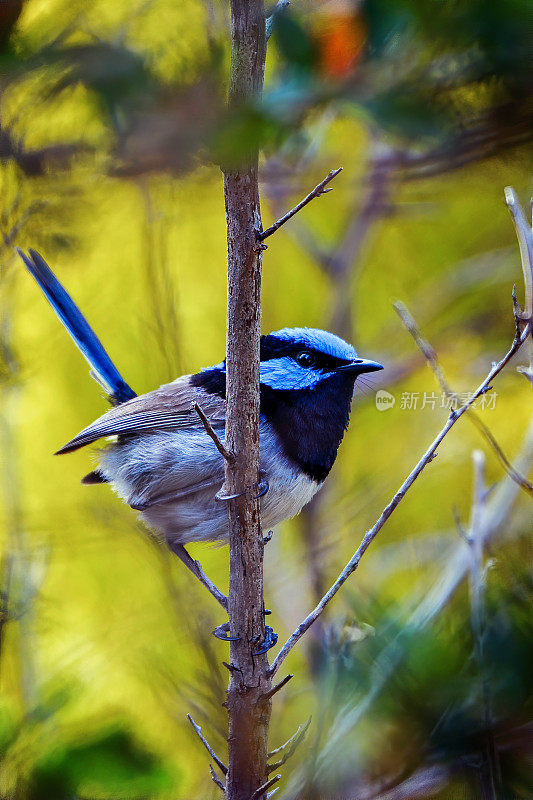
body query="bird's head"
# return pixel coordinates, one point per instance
(304, 358)
(307, 378)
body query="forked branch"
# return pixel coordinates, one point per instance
(429, 455)
(433, 362)
(319, 190)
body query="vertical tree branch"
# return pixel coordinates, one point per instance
(247, 700)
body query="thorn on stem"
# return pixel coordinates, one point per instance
(197, 729)
(277, 687)
(216, 779)
(262, 789)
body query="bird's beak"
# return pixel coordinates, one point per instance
(360, 365)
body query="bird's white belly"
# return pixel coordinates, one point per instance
(182, 471)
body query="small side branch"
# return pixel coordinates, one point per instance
(371, 534)
(278, 686)
(262, 789)
(229, 457)
(220, 764)
(216, 779)
(524, 235)
(319, 190)
(433, 362)
(295, 740)
(196, 568)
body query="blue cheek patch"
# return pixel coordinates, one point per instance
(285, 373)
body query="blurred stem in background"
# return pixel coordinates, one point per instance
(18, 574)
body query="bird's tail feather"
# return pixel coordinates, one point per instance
(102, 368)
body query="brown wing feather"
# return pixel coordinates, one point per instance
(170, 406)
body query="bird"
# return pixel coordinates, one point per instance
(158, 456)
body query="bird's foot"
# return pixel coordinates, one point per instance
(262, 487)
(223, 631)
(271, 638)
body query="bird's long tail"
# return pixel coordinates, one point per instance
(102, 368)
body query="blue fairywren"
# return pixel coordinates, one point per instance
(161, 460)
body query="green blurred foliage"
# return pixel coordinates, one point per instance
(111, 126)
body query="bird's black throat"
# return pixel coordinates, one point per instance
(310, 423)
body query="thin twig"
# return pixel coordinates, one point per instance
(262, 789)
(371, 534)
(432, 603)
(296, 740)
(432, 360)
(220, 764)
(279, 686)
(524, 235)
(317, 191)
(426, 348)
(511, 470)
(230, 458)
(216, 779)
(196, 568)
(279, 8)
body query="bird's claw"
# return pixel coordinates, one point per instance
(262, 487)
(222, 632)
(271, 638)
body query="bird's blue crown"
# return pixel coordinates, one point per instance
(299, 358)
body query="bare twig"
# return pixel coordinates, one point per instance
(426, 348)
(262, 789)
(295, 740)
(511, 470)
(230, 458)
(433, 601)
(317, 191)
(216, 779)
(196, 568)
(279, 8)
(371, 534)
(220, 764)
(279, 685)
(432, 359)
(524, 234)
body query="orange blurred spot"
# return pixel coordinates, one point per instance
(340, 36)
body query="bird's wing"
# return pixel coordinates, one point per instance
(169, 407)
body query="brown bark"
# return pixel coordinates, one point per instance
(248, 709)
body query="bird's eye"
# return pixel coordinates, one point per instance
(305, 358)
